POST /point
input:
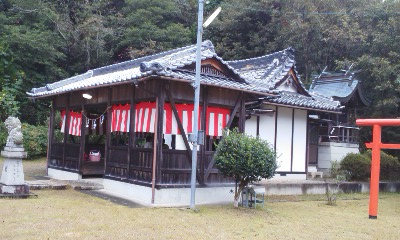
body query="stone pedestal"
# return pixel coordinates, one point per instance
(12, 178)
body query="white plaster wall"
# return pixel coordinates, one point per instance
(266, 128)
(63, 175)
(267, 125)
(299, 140)
(331, 151)
(251, 126)
(284, 138)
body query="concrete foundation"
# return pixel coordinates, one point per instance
(302, 188)
(63, 175)
(168, 197)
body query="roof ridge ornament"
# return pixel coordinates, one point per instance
(151, 66)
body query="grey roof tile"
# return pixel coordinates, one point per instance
(338, 86)
(257, 75)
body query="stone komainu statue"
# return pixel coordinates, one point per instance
(13, 126)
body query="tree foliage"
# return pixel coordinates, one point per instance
(244, 158)
(10, 85)
(42, 41)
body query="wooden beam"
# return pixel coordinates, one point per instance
(203, 126)
(83, 140)
(242, 115)
(66, 131)
(132, 129)
(181, 129)
(108, 131)
(238, 103)
(158, 138)
(50, 134)
(233, 113)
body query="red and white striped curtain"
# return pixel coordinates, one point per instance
(217, 118)
(120, 118)
(75, 122)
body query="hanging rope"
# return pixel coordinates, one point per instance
(100, 116)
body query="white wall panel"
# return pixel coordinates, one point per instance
(251, 126)
(284, 138)
(267, 125)
(299, 140)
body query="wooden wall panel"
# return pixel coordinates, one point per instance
(103, 95)
(183, 92)
(76, 99)
(147, 90)
(60, 101)
(222, 96)
(121, 93)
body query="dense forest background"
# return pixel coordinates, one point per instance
(42, 41)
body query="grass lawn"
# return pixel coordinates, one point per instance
(68, 214)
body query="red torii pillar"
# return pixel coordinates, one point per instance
(376, 145)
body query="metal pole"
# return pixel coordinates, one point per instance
(196, 104)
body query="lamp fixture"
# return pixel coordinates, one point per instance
(87, 96)
(212, 17)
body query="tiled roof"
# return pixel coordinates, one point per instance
(301, 101)
(339, 86)
(265, 71)
(256, 75)
(159, 64)
(215, 81)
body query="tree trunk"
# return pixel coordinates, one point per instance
(237, 193)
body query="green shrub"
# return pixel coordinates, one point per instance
(390, 166)
(3, 135)
(244, 158)
(356, 166)
(35, 140)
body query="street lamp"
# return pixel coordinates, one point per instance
(195, 133)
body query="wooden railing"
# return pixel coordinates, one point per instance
(71, 157)
(117, 162)
(175, 166)
(341, 134)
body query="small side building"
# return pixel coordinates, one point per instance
(283, 120)
(335, 135)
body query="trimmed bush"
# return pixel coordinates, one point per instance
(35, 140)
(390, 166)
(244, 158)
(356, 166)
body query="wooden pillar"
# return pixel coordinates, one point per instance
(50, 134)
(203, 123)
(131, 130)
(158, 138)
(242, 115)
(83, 140)
(66, 131)
(108, 130)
